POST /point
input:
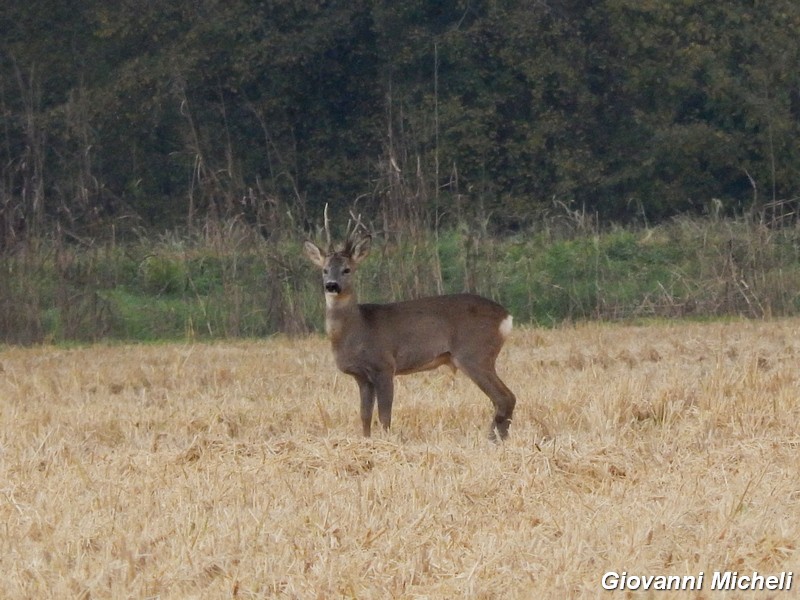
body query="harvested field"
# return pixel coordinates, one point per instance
(237, 469)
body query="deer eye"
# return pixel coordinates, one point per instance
(324, 271)
(346, 270)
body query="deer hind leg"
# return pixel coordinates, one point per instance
(486, 378)
(367, 391)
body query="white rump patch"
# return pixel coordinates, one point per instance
(506, 325)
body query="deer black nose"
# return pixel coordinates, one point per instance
(332, 287)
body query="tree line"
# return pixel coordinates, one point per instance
(138, 114)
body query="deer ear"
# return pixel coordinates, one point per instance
(361, 249)
(314, 254)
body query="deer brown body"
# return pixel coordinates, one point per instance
(375, 342)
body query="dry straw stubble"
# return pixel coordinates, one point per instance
(237, 469)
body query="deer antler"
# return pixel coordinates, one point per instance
(354, 224)
(327, 226)
(358, 224)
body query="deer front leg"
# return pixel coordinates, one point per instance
(384, 389)
(367, 391)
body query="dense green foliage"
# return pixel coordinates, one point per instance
(233, 282)
(142, 114)
(160, 161)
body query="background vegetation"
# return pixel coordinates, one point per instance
(166, 112)
(160, 162)
(231, 282)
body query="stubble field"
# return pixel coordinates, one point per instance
(237, 469)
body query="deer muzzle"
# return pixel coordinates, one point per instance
(332, 287)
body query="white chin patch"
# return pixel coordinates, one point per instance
(330, 298)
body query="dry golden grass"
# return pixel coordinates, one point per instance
(237, 469)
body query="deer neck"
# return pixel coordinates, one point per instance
(340, 309)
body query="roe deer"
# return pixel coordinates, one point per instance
(375, 342)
